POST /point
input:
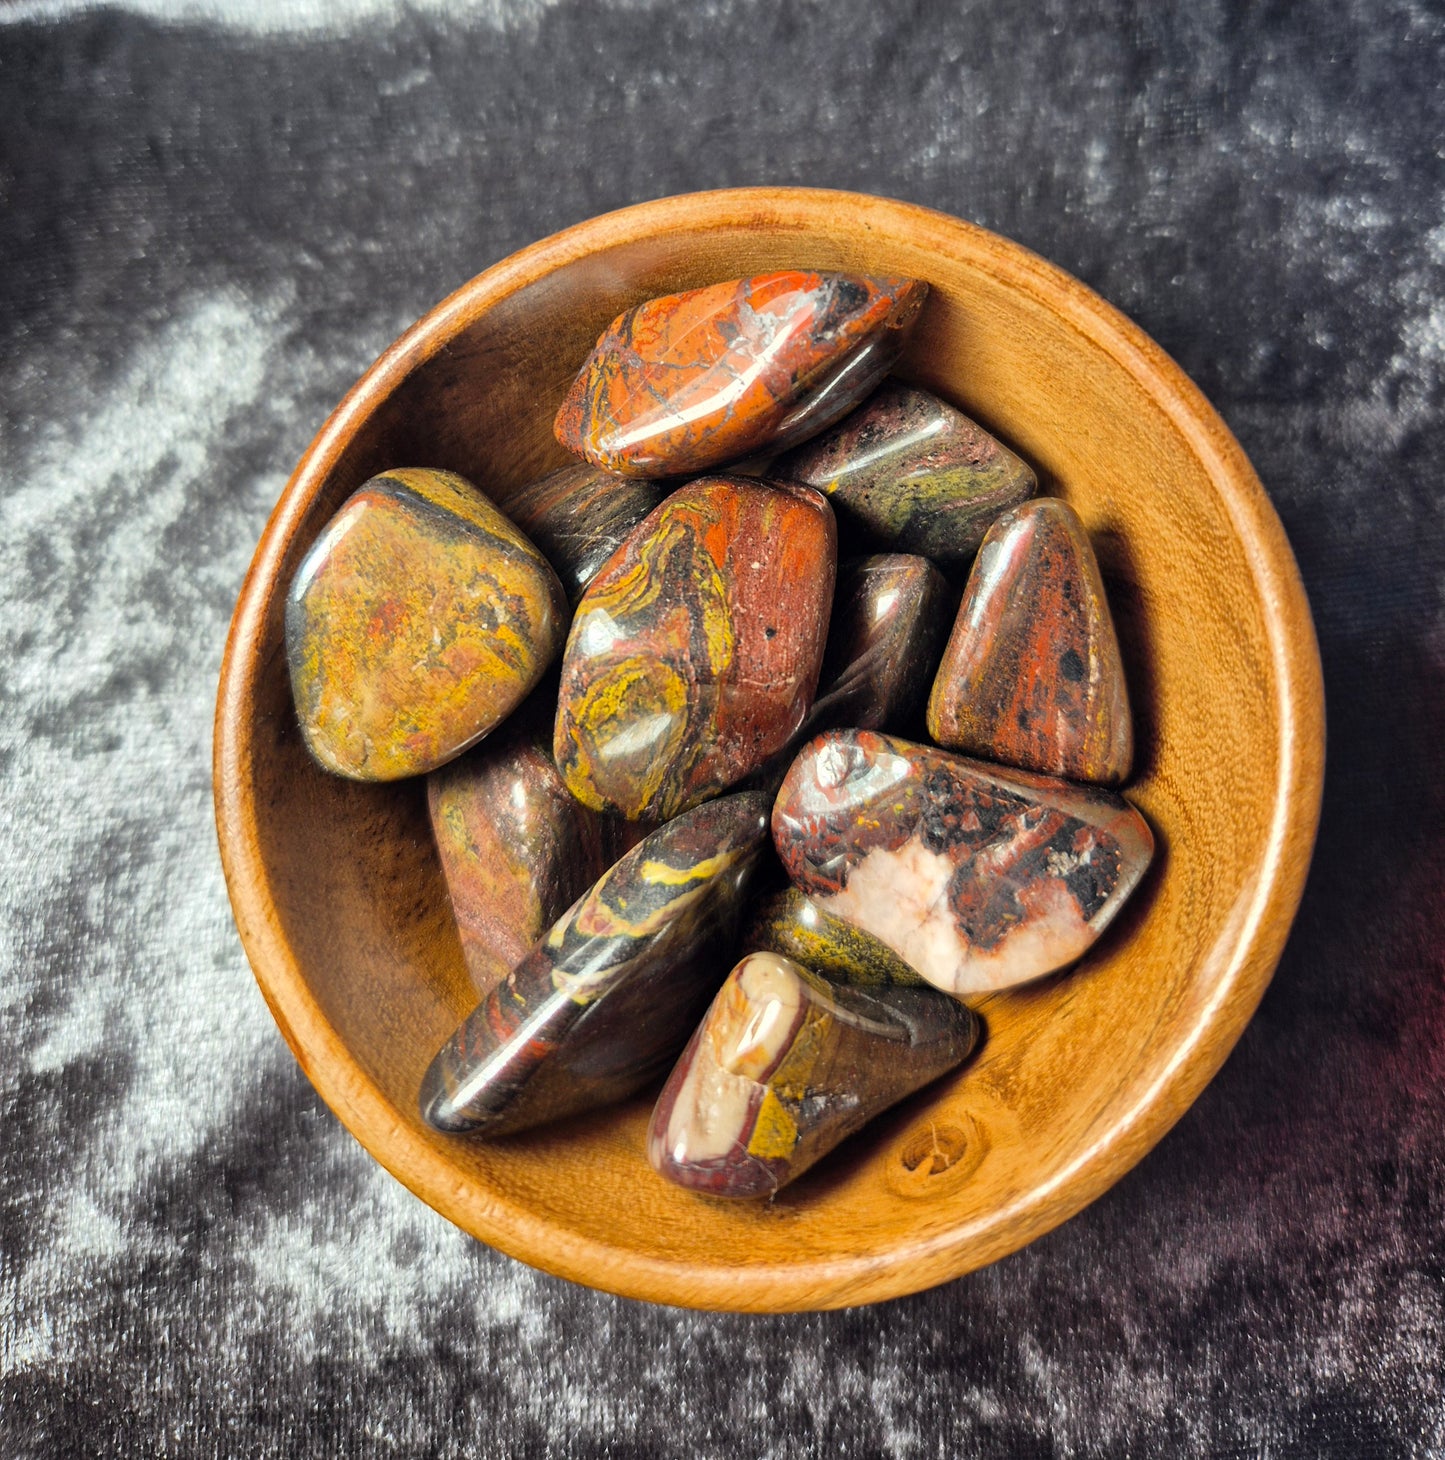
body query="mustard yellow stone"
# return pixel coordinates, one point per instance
(420, 618)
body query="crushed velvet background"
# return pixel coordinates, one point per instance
(212, 217)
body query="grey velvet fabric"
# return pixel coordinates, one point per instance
(212, 217)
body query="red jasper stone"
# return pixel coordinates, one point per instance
(978, 877)
(694, 655)
(693, 381)
(1032, 674)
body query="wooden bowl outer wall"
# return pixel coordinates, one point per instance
(337, 892)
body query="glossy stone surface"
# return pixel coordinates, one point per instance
(789, 923)
(694, 655)
(692, 381)
(1032, 674)
(979, 877)
(420, 618)
(517, 848)
(579, 516)
(605, 1001)
(787, 1065)
(889, 621)
(908, 471)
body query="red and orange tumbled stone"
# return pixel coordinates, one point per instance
(694, 655)
(1032, 674)
(420, 618)
(692, 381)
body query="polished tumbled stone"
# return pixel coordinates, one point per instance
(908, 471)
(694, 655)
(517, 848)
(889, 621)
(1032, 674)
(579, 516)
(693, 381)
(786, 1065)
(606, 1000)
(786, 922)
(420, 618)
(978, 877)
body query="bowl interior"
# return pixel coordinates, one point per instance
(339, 895)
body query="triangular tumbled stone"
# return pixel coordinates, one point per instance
(787, 1065)
(795, 926)
(1032, 674)
(692, 381)
(605, 1001)
(420, 618)
(908, 471)
(979, 877)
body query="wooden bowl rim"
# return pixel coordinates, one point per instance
(908, 1266)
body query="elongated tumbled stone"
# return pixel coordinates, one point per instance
(517, 848)
(908, 471)
(978, 877)
(789, 923)
(787, 1065)
(693, 381)
(1032, 674)
(418, 620)
(605, 1001)
(694, 655)
(889, 620)
(579, 516)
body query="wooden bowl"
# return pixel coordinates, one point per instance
(339, 897)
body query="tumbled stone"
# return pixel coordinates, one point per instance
(979, 877)
(1032, 674)
(420, 618)
(517, 848)
(908, 471)
(605, 1001)
(579, 516)
(694, 655)
(787, 1065)
(789, 923)
(889, 619)
(694, 381)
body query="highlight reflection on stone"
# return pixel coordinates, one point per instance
(979, 877)
(787, 1065)
(420, 618)
(517, 848)
(692, 381)
(579, 516)
(889, 620)
(795, 926)
(609, 996)
(908, 471)
(694, 654)
(1032, 674)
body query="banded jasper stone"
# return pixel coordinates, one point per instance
(605, 1001)
(1032, 674)
(795, 926)
(692, 381)
(908, 471)
(978, 877)
(694, 654)
(889, 619)
(786, 1065)
(579, 516)
(420, 618)
(517, 848)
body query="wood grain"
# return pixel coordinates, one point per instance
(339, 899)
